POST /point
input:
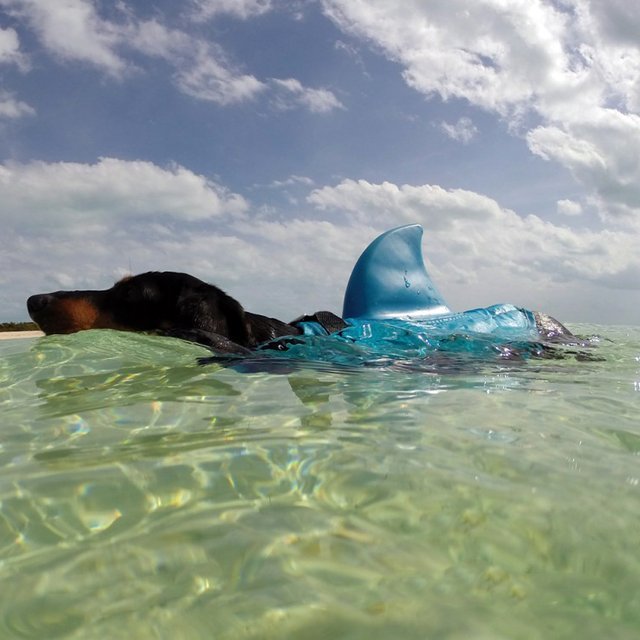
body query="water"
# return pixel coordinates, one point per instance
(145, 496)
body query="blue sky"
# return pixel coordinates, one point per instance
(261, 144)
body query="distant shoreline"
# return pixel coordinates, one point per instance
(11, 335)
(25, 325)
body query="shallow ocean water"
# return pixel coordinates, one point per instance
(143, 495)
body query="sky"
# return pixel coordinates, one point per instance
(262, 144)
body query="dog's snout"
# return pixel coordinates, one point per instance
(35, 304)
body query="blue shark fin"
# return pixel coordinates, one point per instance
(390, 280)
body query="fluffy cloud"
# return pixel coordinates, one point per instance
(56, 197)
(492, 53)
(10, 54)
(564, 75)
(602, 152)
(10, 48)
(10, 107)
(203, 71)
(71, 225)
(291, 92)
(573, 65)
(280, 270)
(206, 78)
(63, 227)
(463, 131)
(470, 236)
(75, 31)
(569, 208)
(205, 9)
(291, 181)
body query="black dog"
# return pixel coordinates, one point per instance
(181, 306)
(166, 303)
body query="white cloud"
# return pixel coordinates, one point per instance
(10, 49)
(205, 9)
(157, 40)
(207, 78)
(463, 130)
(204, 72)
(573, 65)
(472, 236)
(202, 69)
(61, 195)
(492, 53)
(282, 270)
(602, 153)
(72, 225)
(569, 208)
(10, 107)
(73, 30)
(69, 225)
(618, 20)
(290, 92)
(291, 181)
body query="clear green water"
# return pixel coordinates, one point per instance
(143, 496)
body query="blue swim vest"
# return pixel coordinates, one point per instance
(392, 307)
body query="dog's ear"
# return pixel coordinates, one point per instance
(215, 312)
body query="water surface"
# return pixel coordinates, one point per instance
(145, 496)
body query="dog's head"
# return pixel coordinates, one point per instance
(153, 301)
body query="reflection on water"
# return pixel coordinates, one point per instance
(145, 496)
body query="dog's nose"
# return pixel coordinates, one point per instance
(35, 304)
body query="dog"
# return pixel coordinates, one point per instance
(181, 306)
(165, 303)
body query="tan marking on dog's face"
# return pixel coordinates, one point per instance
(68, 315)
(77, 314)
